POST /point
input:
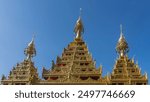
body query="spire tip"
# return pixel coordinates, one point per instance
(121, 30)
(80, 12)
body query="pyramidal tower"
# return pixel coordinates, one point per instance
(23, 73)
(75, 65)
(126, 71)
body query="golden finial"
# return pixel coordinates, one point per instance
(146, 75)
(30, 51)
(79, 29)
(132, 60)
(136, 64)
(122, 46)
(100, 68)
(108, 77)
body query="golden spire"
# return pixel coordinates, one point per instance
(122, 46)
(79, 29)
(30, 51)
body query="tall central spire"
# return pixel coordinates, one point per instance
(79, 29)
(122, 45)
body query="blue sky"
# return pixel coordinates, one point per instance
(53, 22)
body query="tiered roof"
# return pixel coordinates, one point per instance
(76, 64)
(126, 71)
(25, 72)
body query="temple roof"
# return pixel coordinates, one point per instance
(76, 63)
